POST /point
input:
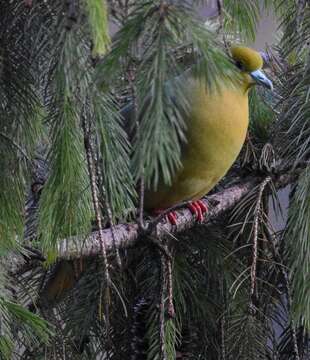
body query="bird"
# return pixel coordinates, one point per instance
(217, 124)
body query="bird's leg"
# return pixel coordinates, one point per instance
(171, 216)
(198, 208)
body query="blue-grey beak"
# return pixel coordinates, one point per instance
(261, 79)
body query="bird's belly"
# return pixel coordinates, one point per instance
(217, 128)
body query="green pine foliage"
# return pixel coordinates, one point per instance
(98, 23)
(298, 245)
(239, 287)
(67, 187)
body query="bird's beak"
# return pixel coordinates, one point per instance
(261, 79)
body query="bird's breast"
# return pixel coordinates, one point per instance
(217, 126)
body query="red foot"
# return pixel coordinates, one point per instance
(198, 208)
(171, 216)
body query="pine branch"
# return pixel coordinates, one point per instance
(257, 219)
(297, 240)
(161, 318)
(18, 147)
(127, 235)
(95, 198)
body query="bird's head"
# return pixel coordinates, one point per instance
(250, 63)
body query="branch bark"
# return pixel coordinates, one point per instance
(127, 235)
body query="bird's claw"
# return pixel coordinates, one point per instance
(198, 208)
(171, 216)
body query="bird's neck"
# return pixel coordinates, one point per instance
(247, 83)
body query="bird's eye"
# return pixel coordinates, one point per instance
(239, 65)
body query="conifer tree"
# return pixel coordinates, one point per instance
(85, 273)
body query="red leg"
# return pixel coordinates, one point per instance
(198, 208)
(202, 206)
(170, 217)
(195, 210)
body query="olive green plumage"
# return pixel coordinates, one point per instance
(217, 124)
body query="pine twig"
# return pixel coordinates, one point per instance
(162, 354)
(283, 270)
(223, 322)
(293, 327)
(220, 9)
(171, 310)
(257, 219)
(92, 175)
(108, 211)
(18, 147)
(167, 258)
(141, 201)
(138, 343)
(223, 349)
(133, 90)
(162, 248)
(301, 4)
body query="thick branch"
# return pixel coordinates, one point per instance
(126, 235)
